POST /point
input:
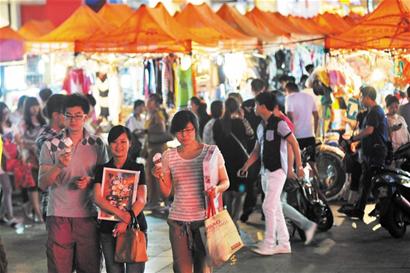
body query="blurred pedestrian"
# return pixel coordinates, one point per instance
(156, 140)
(119, 140)
(404, 110)
(374, 138)
(182, 171)
(231, 137)
(27, 132)
(398, 132)
(216, 113)
(53, 111)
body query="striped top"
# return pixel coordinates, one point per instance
(188, 183)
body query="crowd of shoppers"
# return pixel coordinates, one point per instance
(49, 147)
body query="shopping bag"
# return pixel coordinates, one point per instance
(131, 245)
(220, 236)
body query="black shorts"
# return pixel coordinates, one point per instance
(307, 142)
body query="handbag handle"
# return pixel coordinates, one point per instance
(211, 205)
(133, 223)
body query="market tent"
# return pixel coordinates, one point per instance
(82, 24)
(331, 23)
(241, 23)
(170, 24)
(33, 29)
(388, 26)
(115, 14)
(202, 21)
(305, 26)
(264, 21)
(143, 32)
(11, 45)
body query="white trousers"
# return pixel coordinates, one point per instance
(276, 231)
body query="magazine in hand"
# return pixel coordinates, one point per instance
(119, 187)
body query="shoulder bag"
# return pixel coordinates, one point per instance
(131, 245)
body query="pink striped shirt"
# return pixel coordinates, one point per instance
(188, 183)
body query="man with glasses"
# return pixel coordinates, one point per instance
(67, 162)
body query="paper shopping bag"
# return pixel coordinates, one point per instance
(221, 238)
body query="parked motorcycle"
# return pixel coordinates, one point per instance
(306, 196)
(392, 192)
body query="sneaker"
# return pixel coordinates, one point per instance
(309, 233)
(263, 249)
(282, 249)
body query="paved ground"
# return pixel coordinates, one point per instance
(348, 247)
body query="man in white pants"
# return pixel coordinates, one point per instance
(273, 135)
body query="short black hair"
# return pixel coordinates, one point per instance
(268, 99)
(195, 100)
(181, 119)
(116, 131)
(77, 100)
(291, 79)
(257, 85)
(390, 99)
(54, 104)
(369, 91)
(216, 108)
(283, 78)
(291, 86)
(138, 103)
(91, 100)
(408, 92)
(157, 98)
(309, 68)
(45, 94)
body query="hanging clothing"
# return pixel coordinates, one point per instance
(76, 81)
(185, 87)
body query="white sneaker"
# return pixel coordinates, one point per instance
(263, 249)
(282, 249)
(310, 233)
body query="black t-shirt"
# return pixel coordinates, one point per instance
(379, 137)
(108, 226)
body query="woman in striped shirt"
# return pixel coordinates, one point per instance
(182, 170)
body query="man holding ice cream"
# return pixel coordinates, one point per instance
(67, 163)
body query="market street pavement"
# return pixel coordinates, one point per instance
(350, 246)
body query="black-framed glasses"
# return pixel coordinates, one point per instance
(75, 117)
(187, 130)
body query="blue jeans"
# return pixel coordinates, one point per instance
(108, 249)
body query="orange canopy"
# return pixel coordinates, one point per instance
(388, 26)
(331, 23)
(33, 29)
(241, 23)
(306, 26)
(115, 14)
(265, 21)
(82, 24)
(11, 45)
(146, 31)
(203, 22)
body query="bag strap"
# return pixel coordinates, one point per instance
(133, 223)
(211, 205)
(240, 145)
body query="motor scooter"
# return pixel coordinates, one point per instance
(392, 192)
(305, 196)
